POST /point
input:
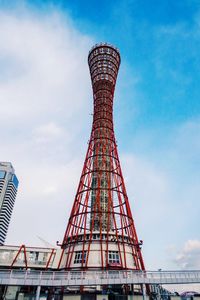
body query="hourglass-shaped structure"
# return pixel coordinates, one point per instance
(101, 233)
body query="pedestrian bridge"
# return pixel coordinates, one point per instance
(94, 278)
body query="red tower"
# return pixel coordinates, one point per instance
(101, 233)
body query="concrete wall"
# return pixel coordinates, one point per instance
(36, 257)
(11, 292)
(78, 297)
(95, 253)
(102, 297)
(71, 297)
(137, 297)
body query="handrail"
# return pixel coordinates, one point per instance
(92, 278)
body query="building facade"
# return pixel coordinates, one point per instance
(8, 191)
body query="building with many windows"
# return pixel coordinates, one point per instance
(8, 191)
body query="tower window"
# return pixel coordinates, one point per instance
(78, 257)
(113, 257)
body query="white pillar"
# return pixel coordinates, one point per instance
(38, 292)
(144, 291)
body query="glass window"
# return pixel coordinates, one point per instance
(33, 256)
(78, 257)
(15, 180)
(2, 174)
(113, 257)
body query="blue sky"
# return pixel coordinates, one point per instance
(157, 110)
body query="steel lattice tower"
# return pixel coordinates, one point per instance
(101, 232)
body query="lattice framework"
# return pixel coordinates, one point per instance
(101, 203)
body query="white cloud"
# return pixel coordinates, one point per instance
(188, 138)
(44, 60)
(48, 132)
(48, 190)
(192, 245)
(149, 192)
(145, 182)
(45, 100)
(189, 256)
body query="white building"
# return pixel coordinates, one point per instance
(8, 191)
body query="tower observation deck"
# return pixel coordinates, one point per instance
(101, 233)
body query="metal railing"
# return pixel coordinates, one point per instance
(93, 278)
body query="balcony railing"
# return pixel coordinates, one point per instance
(93, 278)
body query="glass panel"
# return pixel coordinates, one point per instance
(78, 257)
(2, 174)
(15, 181)
(113, 257)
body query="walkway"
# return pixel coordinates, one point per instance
(93, 278)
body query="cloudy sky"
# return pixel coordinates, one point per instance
(46, 107)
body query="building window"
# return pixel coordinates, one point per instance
(33, 256)
(78, 257)
(113, 257)
(2, 174)
(15, 181)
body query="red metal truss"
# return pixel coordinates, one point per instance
(25, 251)
(101, 203)
(21, 249)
